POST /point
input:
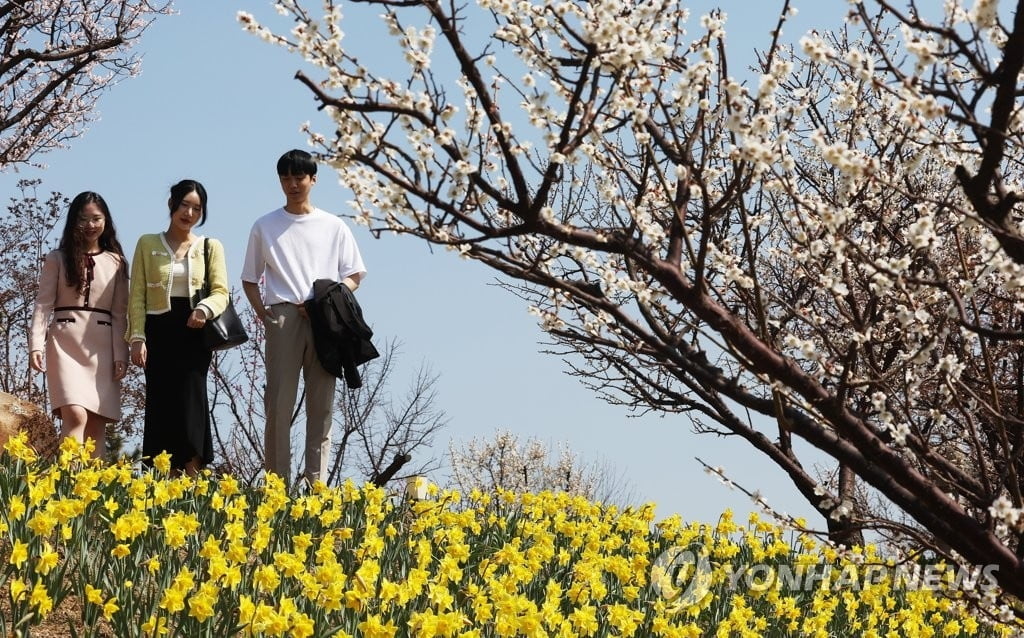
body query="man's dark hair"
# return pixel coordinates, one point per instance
(296, 162)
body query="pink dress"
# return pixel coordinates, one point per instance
(82, 334)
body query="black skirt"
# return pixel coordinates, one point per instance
(177, 408)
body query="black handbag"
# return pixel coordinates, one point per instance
(225, 330)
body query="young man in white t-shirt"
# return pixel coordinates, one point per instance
(289, 249)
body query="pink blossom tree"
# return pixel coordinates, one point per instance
(56, 58)
(830, 251)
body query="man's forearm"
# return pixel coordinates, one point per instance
(352, 281)
(252, 293)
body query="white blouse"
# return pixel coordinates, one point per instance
(179, 277)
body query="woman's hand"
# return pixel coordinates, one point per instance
(35, 361)
(138, 353)
(120, 369)
(197, 319)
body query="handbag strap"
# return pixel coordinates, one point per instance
(206, 264)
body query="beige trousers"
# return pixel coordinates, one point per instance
(289, 350)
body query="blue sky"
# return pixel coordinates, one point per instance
(219, 105)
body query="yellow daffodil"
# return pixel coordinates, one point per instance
(162, 463)
(18, 590)
(93, 595)
(110, 608)
(17, 446)
(47, 560)
(40, 599)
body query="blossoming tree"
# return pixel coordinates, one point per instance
(503, 462)
(830, 251)
(56, 58)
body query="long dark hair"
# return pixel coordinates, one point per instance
(72, 245)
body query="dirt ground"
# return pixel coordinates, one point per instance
(67, 614)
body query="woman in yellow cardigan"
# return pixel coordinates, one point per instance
(166, 311)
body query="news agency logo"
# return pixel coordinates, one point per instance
(683, 576)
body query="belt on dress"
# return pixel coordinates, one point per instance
(100, 310)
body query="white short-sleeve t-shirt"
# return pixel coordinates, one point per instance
(293, 251)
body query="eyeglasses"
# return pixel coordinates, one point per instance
(82, 223)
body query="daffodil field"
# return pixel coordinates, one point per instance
(145, 554)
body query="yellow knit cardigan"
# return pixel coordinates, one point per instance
(150, 289)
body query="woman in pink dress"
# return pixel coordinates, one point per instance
(79, 322)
